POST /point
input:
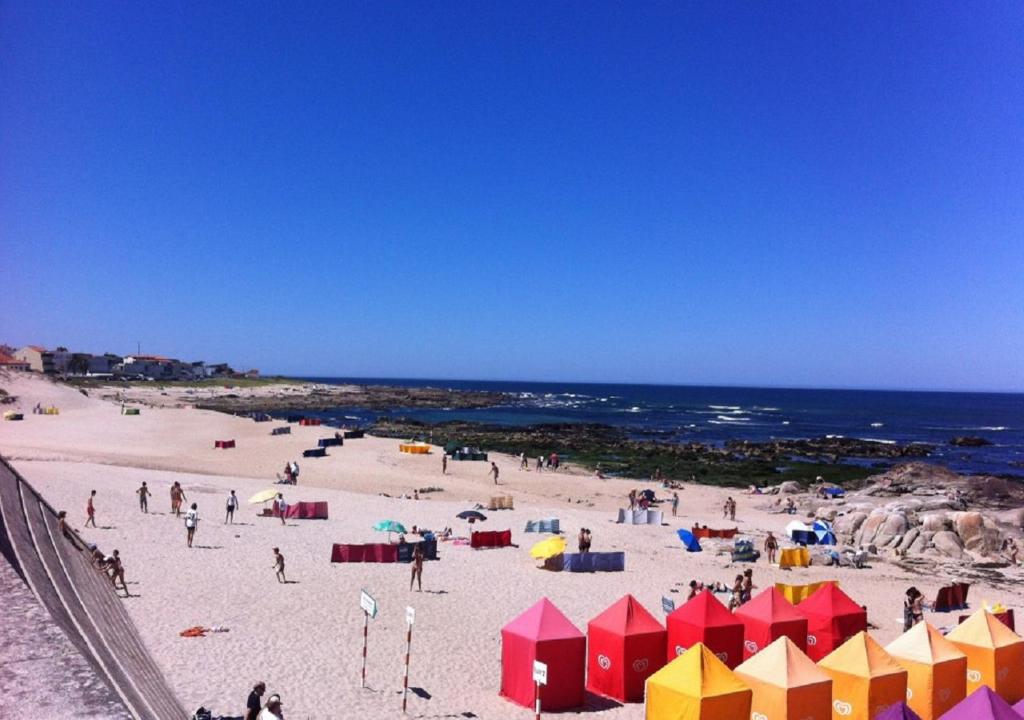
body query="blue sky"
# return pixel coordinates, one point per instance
(789, 194)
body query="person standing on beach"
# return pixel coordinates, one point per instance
(191, 520)
(90, 510)
(494, 472)
(771, 546)
(282, 506)
(177, 498)
(143, 493)
(279, 565)
(675, 503)
(417, 568)
(540, 463)
(116, 570)
(732, 509)
(254, 704)
(444, 463)
(524, 464)
(232, 505)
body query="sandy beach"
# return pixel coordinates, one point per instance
(304, 638)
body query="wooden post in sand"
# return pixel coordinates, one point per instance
(540, 677)
(410, 616)
(369, 606)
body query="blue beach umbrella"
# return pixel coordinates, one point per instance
(824, 533)
(689, 541)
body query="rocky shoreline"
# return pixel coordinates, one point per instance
(371, 397)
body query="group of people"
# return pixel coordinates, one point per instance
(729, 509)
(110, 565)
(584, 540)
(256, 710)
(552, 462)
(291, 473)
(640, 499)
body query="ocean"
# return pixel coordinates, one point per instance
(715, 414)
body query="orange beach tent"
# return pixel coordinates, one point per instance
(865, 679)
(696, 686)
(995, 655)
(936, 670)
(786, 684)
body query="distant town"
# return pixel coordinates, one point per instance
(61, 362)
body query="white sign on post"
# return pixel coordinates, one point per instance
(410, 615)
(540, 673)
(367, 603)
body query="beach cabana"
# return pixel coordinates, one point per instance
(639, 517)
(696, 686)
(865, 679)
(798, 593)
(543, 633)
(786, 684)
(936, 670)
(767, 617)
(223, 444)
(549, 525)
(689, 541)
(794, 557)
(500, 502)
(995, 655)
(702, 531)
(801, 533)
(983, 704)
(706, 621)
(832, 619)
(625, 645)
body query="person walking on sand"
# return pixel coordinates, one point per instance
(143, 493)
(279, 565)
(254, 704)
(417, 568)
(444, 463)
(732, 510)
(494, 471)
(116, 570)
(282, 507)
(771, 546)
(90, 510)
(177, 498)
(191, 520)
(675, 503)
(232, 505)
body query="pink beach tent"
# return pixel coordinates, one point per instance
(625, 645)
(543, 633)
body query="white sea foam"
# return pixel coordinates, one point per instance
(835, 437)
(725, 407)
(785, 422)
(766, 409)
(878, 440)
(729, 418)
(877, 424)
(995, 428)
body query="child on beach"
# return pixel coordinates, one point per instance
(444, 463)
(143, 493)
(279, 565)
(191, 520)
(90, 510)
(747, 589)
(232, 505)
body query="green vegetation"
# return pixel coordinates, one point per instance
(204, 383)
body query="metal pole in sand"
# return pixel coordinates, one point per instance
(410, 616)
(366, 633)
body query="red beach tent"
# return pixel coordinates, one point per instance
(543, 633)
(832, 619)
(625, 645)
(706, 620)
(307, 511)
(766, 618)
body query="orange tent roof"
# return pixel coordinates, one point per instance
(784, 665)
(699, 674)
(984, 630)
(861, 655)
(924, 644)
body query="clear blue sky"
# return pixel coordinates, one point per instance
(796, 194)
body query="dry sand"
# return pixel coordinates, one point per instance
(304, 638)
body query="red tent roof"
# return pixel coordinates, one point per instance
(830, 601)
(705, 610)
(627, 617)
(770, 606)
(543, 621)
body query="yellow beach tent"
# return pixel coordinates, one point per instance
(696, 686)
(865, 679)
(786, 684)
(548, 548)
(797, 593)
(936, 670)
(794, 557)
(995, 655)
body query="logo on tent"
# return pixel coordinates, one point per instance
(680, 649)
(910, 694)
(640, 665)
(604, 661)
(879, 709)
(842, 708)
(974, 676)
(723, 656)
(758, 716)
(1002, 673)
(750, 645)
(811, 641)
(944, 694)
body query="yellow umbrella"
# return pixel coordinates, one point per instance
(548, 548)
(263, 496)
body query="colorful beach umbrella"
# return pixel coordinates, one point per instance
(548, 548)
(263, 496)
(691, 543)
(389, 526)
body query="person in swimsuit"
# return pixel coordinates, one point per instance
(771, 546)
(177, 498)
(695, 588)
(116, 570)
(747, 590)
(737, 593)
(494, 472)
(90, 510)
(143, 493)
(675, 503)
(232, 505)
(279, 565)
(417, 569)
(191, 520)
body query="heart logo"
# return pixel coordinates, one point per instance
(910, 694)
(974, 676)
(751, 646)
(640, 665)
(1002, 673)
(811, 641)
(680, 649)
(604, 662)
(944, 694)
(758, 716)
(842, 708)
(723, 656)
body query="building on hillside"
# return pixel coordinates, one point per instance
(62, 361)
(39, 359)
(11, 363)
(219, 370)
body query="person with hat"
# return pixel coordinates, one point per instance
(273, 709)
(253, 705)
